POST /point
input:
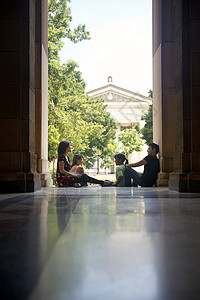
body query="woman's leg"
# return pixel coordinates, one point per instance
(85, 179)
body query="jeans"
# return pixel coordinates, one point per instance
(129, 174)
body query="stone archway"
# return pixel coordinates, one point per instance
(23, 83)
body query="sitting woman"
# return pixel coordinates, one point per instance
(64, 175)
(77, 164)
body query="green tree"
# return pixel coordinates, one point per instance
(130, 140)
(150, 92)
(86, 123)
(73, 115)
(147, 130)
(59, 19)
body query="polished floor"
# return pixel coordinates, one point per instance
(97, 243)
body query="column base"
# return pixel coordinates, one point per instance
(163, 179)
(19, 182)
(43, 170)
(46, 180)
(20, 186)
(184, 182)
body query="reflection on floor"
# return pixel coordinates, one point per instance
(97, 243)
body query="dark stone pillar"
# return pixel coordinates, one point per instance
(163, 85)
(186, 174)
(18, 159)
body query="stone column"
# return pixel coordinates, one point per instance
(41, 91)
(163, 85)
(18, 159)
(186, 175)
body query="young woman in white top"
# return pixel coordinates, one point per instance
(77, 164)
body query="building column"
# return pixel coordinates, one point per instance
(41, 91)
(19, 109)
(163, 85)
(186, 174)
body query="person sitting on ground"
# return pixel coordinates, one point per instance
(151, 169)
(77, 164)
(119, 161)
(65, 177)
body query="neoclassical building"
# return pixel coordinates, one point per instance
(24, 90)
(125, 106)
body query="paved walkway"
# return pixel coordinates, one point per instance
(97, 243)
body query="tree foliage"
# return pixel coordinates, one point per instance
(130, 140)
(59, 19)
(147, 130)
(73, 116)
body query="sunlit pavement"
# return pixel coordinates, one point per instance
(100, 243)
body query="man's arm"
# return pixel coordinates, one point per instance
(137, 164)
(119, 179)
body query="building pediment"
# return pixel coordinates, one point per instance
(126, 107)
(113, 93)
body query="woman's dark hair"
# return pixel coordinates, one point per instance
(62, 147)
(76, 158)
(122, 157)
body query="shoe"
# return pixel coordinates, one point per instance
(107, 183)
(77, 185)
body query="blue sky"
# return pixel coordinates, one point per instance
(120, 45)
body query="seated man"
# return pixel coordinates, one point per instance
(151, 169)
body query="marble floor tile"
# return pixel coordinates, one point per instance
(100, 243)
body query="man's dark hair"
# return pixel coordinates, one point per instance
(154, 146)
